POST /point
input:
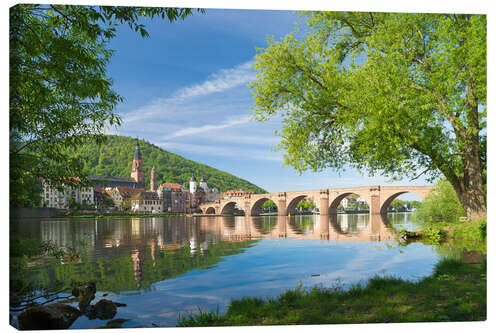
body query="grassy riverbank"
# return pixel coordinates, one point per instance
(469, 234)
(455, 292)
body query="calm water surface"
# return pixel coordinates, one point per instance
(163, 267)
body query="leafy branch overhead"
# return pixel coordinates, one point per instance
(396, 94)
(60, 93)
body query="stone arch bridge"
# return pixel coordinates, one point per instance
(378, 199)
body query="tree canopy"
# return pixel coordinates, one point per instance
(60, 94)
(394, 94)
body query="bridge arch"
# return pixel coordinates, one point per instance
(332, 209)
(291, 207)
(210, 210)
(229, 208)
(256, 206)
(387, 202)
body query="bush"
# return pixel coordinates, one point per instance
(482, 228)
(441, 205)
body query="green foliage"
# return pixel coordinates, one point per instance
(403, 205)
(114, 158)
(398, 205)
(469, 235)
(23, 252)
(441, 204)
(434, 235)
(482, 228)
(392, 93)
(455, 292)
(117, 274)
(306, 205)
(269, 205)
(60, 95)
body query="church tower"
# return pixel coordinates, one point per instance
(137, 172)
(153, 184)
(203, 184)
(192, 184)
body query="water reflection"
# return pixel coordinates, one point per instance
(100, 236)
(162, 266)
(152, 249)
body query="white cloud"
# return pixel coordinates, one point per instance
(264, 140)
(206, 128)
(227, 151)
(221, 81)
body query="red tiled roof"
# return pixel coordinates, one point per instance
(128, 192)
(172, 186)
(145, 195)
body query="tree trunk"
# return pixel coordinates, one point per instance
(473, 201)
(470, 188)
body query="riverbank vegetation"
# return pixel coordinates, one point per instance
(440, 216)
(455, 292)
(440, 205)
(470, 235)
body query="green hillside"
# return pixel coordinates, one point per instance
(114, 158)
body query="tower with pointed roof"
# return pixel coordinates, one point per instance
(192, 184)
(153, 184)
(203, 184)
(137, 172)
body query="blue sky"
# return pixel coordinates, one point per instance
(185, 90)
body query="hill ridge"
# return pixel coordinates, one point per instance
(114, 158)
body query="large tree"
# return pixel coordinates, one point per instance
(396, 94)
(60, 94)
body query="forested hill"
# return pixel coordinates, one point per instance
(114, 158)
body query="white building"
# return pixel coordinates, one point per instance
(203, 184)
(53, 198)
(192, 185)
(211, 194)
(146, 203)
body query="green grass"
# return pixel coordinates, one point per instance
(454, 292)
(469, 234)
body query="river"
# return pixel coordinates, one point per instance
(163, 267)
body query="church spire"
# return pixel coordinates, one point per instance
(137, 172)
(137, 154)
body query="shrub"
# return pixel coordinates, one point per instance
(442, 204)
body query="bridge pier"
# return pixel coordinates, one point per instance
(247, 208)
(281, 203)
(282, 226)
(375, 200)
(323, 202)
(324, 230)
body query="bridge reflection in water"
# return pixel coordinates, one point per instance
(345, 227)
(155, 249)
(170, 233)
